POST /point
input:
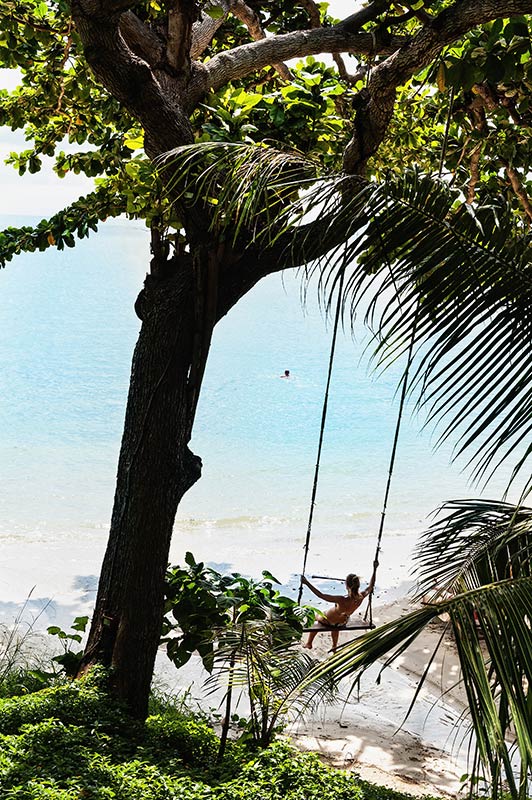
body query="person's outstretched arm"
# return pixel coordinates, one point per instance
(371, 584)
(329, 598)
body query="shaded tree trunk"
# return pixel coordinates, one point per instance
(155, 469)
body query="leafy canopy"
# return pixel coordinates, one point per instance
(469, 110)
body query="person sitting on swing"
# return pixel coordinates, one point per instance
(344, 606)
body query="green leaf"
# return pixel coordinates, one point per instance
(215, 12)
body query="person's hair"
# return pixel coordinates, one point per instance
(353, 583)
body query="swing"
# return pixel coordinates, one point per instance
(367, 622)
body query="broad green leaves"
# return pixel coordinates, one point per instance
(202, 605)
(310, 113)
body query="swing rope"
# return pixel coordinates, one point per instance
(402, 401)
(322, 426)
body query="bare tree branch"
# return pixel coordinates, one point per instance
(474, 173)
(247, 16)
(518, 188)
(478, 117)
(313, 12)
(352, 79)
(241, 61)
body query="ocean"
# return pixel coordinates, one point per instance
(67, 332)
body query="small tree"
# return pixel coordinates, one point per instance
(245, 632)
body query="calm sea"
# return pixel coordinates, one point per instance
(67, 331)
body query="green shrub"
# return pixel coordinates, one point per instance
(22, 680)
(190, 738)
(72, 742)
(279, 772)
(81, 702)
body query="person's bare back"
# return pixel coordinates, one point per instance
(343, 608)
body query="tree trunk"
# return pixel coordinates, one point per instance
(155, 470)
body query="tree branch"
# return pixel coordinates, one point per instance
(205, 28)
(313, 12)
(181, 16)
(518, 188)
(369, 13)
(376, 108)
(141, 39)
(474, 171)
(129, 77)
(247, 16)
(241, 61)
(352, 79)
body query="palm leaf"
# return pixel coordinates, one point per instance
(476, 543)
(272, 675)
(411, 252)
(492, 631)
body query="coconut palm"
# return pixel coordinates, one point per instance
(451, 284)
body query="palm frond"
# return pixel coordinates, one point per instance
(245, 188)
(411, 251)
(492, 631)
(272, 675)
(476, 543)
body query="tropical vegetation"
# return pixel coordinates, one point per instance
(438, 258)
(70, 741)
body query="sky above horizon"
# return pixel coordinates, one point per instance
(43, 194)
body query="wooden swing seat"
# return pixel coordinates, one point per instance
(369, 626)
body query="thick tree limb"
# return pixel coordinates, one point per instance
(375, 112)
(161, 105)
(241, 61)
(141, 39)
(130, 78)
(368, 13)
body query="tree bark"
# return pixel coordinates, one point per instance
(155, 469)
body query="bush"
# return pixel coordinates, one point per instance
(72, 742)
(78, 703)
(193, 740)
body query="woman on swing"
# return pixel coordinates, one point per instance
(344, 606)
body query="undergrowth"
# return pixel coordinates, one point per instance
(72, 742)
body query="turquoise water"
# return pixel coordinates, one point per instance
(67, 331)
